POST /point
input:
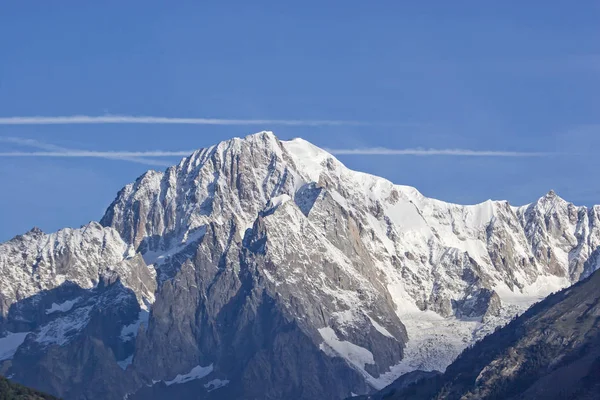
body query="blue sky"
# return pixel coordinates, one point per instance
(497, 76)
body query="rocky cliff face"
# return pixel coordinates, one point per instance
(259, 268)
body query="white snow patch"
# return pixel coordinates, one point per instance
(275, 202)
(356, 355)
(278, 200)
(61, 330)
(406, 215)
(340, 199)
(538, 290)
(479, 215)
(381, 329)
(215, 384)
(404, 302)
(130, 331)
(381, 235)
(197, 372)
(307, 156)
(159, 257)
(346, 317)
(62, 307)
(10, 343)
(126, 362)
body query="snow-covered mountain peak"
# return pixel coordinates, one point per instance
(260, 238)
(236, 179)
(265, 139)
(551, 201)
(35, 231)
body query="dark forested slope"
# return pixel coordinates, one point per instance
(14, 391)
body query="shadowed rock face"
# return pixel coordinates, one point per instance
(552, 351)
(262, 269)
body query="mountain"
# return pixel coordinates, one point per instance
(550, 352)
(266, 269)
(13, 391)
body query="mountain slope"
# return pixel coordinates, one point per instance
(552, 351)
(264, 261)
(13, 391)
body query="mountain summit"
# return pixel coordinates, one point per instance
(266, 269)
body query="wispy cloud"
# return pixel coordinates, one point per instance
(96, 154)
(58, 151)
(131, 119)
(140, 156)
(382, 151)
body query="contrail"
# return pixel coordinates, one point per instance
(131, 119)
(128, 155)
(97, 154)
(50, 150)
(62, 150)
(436, 152)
